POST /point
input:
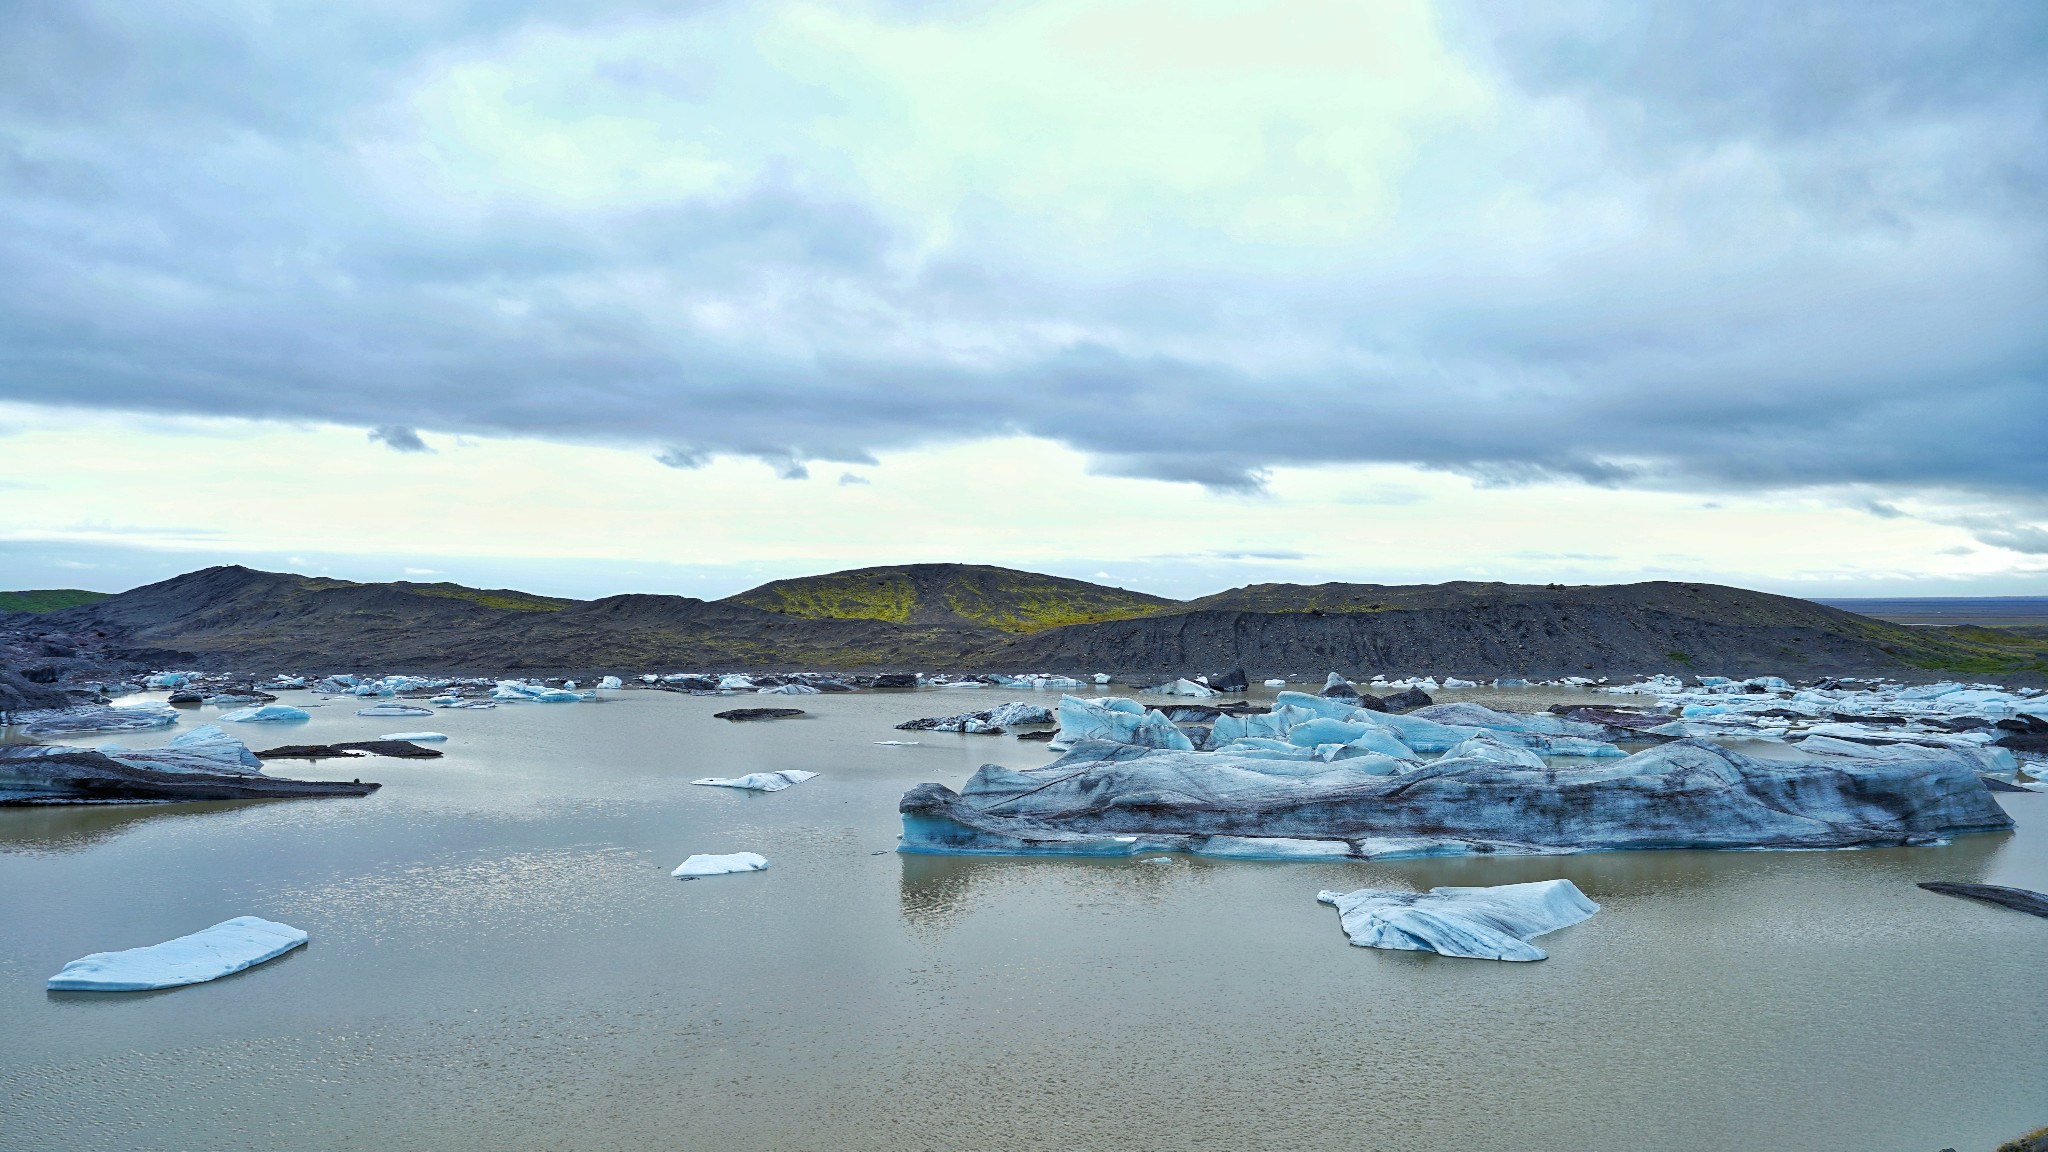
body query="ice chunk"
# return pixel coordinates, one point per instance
(1454, 682)
(266, 714)
(707, 864)
(203, 749)
(1494, 923)
(1102, 677)
(760, 781)
(735, 683)
(611, 682)
(224, 949)
(1490, 747)
(416, 737)
(515, 690)
(1276, 683)
(1118, 721)
(1186, 687)
(788, 690)
(98, 718)
(394, 710)
(896, 743)
(1020, 712)
(170, 679)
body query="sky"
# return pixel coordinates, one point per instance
(1175, 294)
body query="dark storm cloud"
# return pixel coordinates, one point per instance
(1864, 302)
(399, 438)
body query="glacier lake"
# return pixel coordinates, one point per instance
(500, 959)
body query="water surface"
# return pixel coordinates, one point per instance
(500, 960)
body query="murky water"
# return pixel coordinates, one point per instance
(500, 960)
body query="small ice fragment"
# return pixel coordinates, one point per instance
(1276, 682)
(760, 781)
(896, 743)
(1102, 677)
(209, 954)
(709, 864)
(1484, 923)
(416, 737)
(611, 682)
(391, 710)
(266, 714)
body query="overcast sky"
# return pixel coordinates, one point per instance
(591, 297)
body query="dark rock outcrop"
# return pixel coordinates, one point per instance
(758, 714)
(1407, 700)
(400, 749)
(49, 774)
(2017, 899)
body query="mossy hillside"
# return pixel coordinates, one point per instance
(503, 599)
(48, 599)
(950, 595)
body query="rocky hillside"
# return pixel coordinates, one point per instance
(959, 617)
(47, 599)
(971, 596)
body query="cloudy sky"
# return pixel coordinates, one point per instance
(592, 297)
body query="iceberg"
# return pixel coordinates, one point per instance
(199, 770)
(760, 781)
(394, 710)
(170, 679)
(706, 864)
(1454, 682)
(735, 683)
(1020, 712)
(1118, 721)
(611, 682)
(1276, 683)
(267, 714)
(97, 718)
(1494, 923)
(204, 749)
(516, 690)
(897, 743)
(1488, 746)
(788, 690)
(1102, 677)
(416, 737)
(1113, 799)
(1186, 687)
(209, 954)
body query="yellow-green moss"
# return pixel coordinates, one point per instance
(47, 599)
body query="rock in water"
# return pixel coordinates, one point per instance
(707, 864)
(226, 948)
(759, 781)
(1114, 799)
(757, 714)
(1235, 680)
(2017, 899)
(1483, 923)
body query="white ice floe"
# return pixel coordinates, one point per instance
(221, 950)
(611, 682)
(416, 737)
(1186, 687)
(1102, 677)
(896, 743)
(1484, 923)
(394, 710)
(788, 690)
(709, 864)
(735, 683)
(759, 781)
(517, 690)
(266, 714)
(1276, 682)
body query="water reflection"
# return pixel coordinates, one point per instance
(71, 827)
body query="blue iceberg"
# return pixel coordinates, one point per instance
(1494, 923)
(226, 948)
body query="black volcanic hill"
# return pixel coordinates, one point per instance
(972, 596)
(963, 617)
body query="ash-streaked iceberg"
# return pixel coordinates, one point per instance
(759, 781)
(711, 864)
(1112, 799)
(1494, 923)
(1118, 721)
(224, 949)
(394, 710)
(96, 718)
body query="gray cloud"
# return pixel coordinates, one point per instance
(1832, 268)
(398, 438)
(848, 479)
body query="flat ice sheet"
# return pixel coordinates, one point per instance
(1493, 923)
(209, 954)
(759, 781)
(710, 864)
(416, 737)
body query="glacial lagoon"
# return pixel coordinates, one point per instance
(500, 958)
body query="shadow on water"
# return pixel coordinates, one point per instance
(71, 827)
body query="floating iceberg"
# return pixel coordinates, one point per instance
(416, 737)
(735, 683)
(1186, 687)
(97, 718)
(226, 948)
(896, 743)
(706, 864)
(759, 781)
(394, 710)
(789, 690)
(170, 679)
(269, 714)
(516, 690)
(1276, 682)
(1483, 923)
(1113, 799)
(1102, 677)
(1119, 721)
(611, 682)
(204, 749)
